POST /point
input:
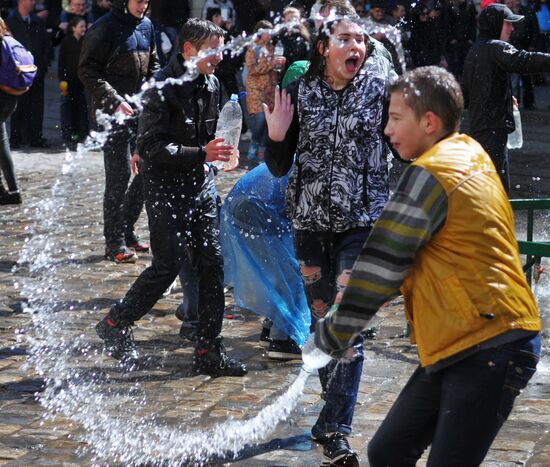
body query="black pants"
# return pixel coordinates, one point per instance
(457, 410)
(7, 106)
(494, 142)
(28, 117)
(74, 114)
(183, 227)
(122, 204)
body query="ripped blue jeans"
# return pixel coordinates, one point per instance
(326, 260)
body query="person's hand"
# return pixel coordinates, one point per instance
(279, 61)
(125, 108)
(135, 161)
(234, 161)
(515, 102)
(217, 151)
(280, 119)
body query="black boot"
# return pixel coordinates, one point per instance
(213, 360)
(119, 342)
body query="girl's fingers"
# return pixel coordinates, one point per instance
(277, 102)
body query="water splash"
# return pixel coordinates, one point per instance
(81, 384)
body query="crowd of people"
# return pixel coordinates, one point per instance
(326, 110)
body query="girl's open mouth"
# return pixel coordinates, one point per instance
(352, 65)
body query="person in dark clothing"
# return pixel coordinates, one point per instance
(176, 139)
(461, 34)
(30, 30)
(118, 54)
(8, 103)
(74, 110)
(525, 36)
(426, 45)
(100, 8)
(295, 39)
(486, 83)
(172, 15)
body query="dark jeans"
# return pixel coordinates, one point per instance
(183, 226)
(74, 114)
(458, 410)
(29, 115)
(258, 128)
(7, 106)
(494, 142)
(333, 255)
(122, 204)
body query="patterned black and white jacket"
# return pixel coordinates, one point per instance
(340, 179)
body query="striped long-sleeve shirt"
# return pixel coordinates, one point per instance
(415, 212)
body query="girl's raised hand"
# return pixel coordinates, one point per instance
(279, 120)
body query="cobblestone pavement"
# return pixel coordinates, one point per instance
(90, 285)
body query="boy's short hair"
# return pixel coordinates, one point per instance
(432, 89)
(262, 24)
(198, 31)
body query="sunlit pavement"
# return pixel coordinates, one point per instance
(91, 285)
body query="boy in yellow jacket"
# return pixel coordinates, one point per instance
(446, 241)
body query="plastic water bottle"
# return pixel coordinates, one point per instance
(229, 128)
(278, 51)
(313, 357)
(515, 139)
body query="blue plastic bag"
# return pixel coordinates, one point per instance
(259, 259)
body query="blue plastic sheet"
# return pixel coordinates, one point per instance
(259, 259)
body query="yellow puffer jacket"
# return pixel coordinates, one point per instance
(467, 283)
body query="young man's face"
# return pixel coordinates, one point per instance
(406, 133)
(208, 63)
(377, 13)
(138, 8)
(26, 6)
(78, 7)
(399, 12)
(506, 31)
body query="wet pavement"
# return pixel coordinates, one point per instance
(90, 285)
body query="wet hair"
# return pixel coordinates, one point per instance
(432, 89)
(73, 23)
(198, 31)
(4, 31)
(317, 60)
(263, 24)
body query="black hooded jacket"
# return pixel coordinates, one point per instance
(176, 123)
(486, 80)
(118, 54)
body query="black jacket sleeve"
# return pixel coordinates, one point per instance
(279, 156)
(520, 61)
(154, 143)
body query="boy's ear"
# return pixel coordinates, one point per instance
(188, 49)
(432, 123)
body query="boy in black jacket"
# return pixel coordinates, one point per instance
(486, 83)
(176, 131)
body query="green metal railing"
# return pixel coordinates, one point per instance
(533, 250)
